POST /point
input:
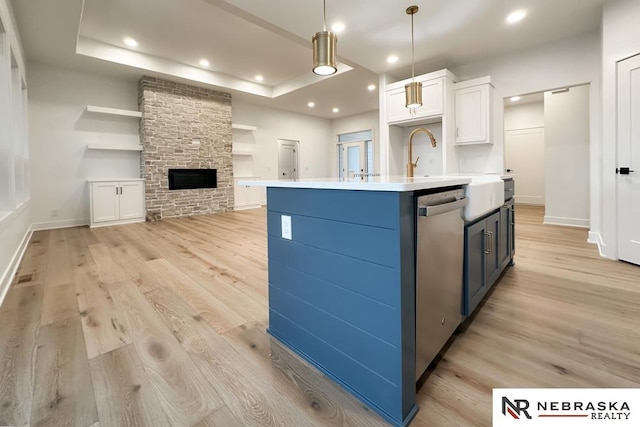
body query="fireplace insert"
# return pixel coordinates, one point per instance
(187, 179)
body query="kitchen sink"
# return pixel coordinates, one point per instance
(485, 193)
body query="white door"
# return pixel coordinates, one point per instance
(104, 200)
(629, 157)
(131, 199)
(354, 155)
(524, 156)
(287, 159)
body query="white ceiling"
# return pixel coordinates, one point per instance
(243, 38)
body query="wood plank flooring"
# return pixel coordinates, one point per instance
(163, 324)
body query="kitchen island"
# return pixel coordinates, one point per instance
(342, 275)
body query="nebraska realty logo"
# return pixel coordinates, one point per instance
(566, 407)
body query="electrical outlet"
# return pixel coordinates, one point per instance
(54, 212)
(286, 226)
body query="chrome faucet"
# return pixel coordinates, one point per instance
(412, 165)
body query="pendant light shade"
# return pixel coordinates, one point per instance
(324, 53)
(413, 94)
(413, 90)
(324, 49)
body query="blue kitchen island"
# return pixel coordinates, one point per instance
(342, 277)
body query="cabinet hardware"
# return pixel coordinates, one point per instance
(492, 241)
(487, 242)
(624, 171)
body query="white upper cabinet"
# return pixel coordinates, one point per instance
(473, 111)
(432, 96)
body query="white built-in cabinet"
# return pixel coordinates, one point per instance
(244, 167)
(246, 197)
(473, 111)
(116, 202)
(432, 101)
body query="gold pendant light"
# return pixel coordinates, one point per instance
(413, 90)
(324, 49)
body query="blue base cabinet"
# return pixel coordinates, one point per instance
(507, 235)
(482, 262)
(342, 289)
(489, 249)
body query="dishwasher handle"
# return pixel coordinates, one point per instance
(440, 209)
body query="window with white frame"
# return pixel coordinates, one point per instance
(14, 149)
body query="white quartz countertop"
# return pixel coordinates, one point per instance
(374, 183)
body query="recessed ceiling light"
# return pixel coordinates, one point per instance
(338, 27)
(515, 98)
(130, 42)
(371, 87)
(516, 16)
(311, 104)
(259, 78)
(392, 59)
(204, 63)
(336, 110)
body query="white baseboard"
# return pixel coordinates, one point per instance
(65, 223)
(596, 239)
(529, 200)
(245, 207)
(567, 222)
(10, 271)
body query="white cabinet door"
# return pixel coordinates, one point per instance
(255, 196)
(473, 114)
(245, 196)
(105, 201)
(396, 110)
(131, 199)
(431, 99)
(240, 195)
(432, 95)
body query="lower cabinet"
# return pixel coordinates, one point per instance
(116, 202)
(482, 261)
(507, 233)
(246, 197)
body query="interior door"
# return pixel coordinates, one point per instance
(287, 159)
(524, 156)
(354, 156)
(628, 181)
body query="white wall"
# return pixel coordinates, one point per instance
(620, 40)
(563, 63)
(60, 130)
(356, 123)
(566, 119)
(317, 144)
(524, 116)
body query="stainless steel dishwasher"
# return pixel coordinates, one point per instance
(439, 268)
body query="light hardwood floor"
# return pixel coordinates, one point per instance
(164, 324)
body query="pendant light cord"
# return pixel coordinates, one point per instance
(324, 14)
(413, 74)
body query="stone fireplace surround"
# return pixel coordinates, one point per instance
(188, 127)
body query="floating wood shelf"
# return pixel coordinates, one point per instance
(113, 111)
(248, 128)
(114, 147)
